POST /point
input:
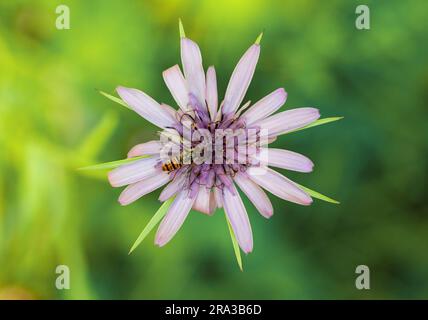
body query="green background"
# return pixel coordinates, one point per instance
(52, 121)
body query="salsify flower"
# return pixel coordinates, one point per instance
(202, 183)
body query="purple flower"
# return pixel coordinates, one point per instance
(207, 180)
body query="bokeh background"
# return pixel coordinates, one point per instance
(53, 121)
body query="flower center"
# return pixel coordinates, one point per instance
(209, 153)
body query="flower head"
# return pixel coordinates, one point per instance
(207, 149)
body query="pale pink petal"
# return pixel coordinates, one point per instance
(289, 120)
(134, 172)
(147, 148)
(265, 107)
(173, 187)
(193, 69)
(286, 159)
(240, 79)
(256, 195)
(235, 211)
(203, 201)
(280, 186)
(174, 218)
(213, 203)
(177, 85)
(211, 94)
(137, 190)
(146, 107)
(168, 109)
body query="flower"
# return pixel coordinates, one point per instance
(204, 169)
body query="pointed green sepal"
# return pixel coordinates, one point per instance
(318, 195)
(318, 123)
(152, 223)
(112, 164)
(259, 38)
(115, 99)
(181, 28)
(235, 244)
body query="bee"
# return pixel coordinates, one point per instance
(172, 164)
(177, 162)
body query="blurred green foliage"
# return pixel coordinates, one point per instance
(53, 120)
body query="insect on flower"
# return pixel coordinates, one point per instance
(205, 149)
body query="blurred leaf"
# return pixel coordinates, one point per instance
(112, 164)
(94, 142)
(152, 223)
(115, 99)
(318, 195)
(235, 244)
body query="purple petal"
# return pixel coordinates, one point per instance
(137, 190)
(134, 172)
(240, 79)
(146, 107)
(173, 187)
(289, 120)
(286, 159)
(199, 108)
(238, 218)
(193, 69)
(280, 186)
(265, 107)
(147, 148)
(177, 85)
(174, 218)
(256, 195)
(211, 94)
